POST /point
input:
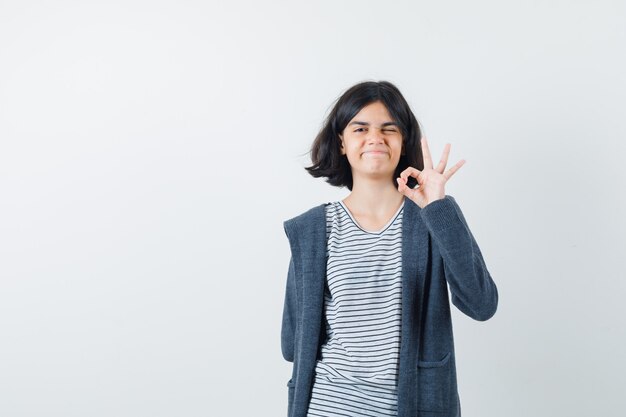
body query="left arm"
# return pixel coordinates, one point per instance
(473, 290)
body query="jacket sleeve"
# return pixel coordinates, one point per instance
(473, 290)
(288, 329)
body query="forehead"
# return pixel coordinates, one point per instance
(373, 113)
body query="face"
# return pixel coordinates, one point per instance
(372, 142)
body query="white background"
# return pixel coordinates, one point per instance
(150, 151)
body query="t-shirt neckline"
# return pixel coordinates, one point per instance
(385, 227)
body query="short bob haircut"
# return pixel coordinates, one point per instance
(325, 152)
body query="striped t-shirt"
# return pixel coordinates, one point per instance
(357, 374)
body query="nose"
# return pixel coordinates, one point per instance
(375, 135)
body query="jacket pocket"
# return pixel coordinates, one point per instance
(290, 388)
(434, 384)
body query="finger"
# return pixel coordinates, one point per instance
(444, 159)
(428, 162)
(413, 172)
(454, 169)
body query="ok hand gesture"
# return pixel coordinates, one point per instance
(430, 181)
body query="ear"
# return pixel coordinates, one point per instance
(341, 147)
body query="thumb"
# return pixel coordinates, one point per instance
(403, 187)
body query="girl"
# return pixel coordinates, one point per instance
(366, 319)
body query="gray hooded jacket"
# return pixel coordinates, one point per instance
(438, 249)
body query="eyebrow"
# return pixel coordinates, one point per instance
(356, 122)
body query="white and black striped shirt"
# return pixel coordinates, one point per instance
(357, 373)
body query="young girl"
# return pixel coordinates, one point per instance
(366, 319)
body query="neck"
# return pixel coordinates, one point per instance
(374, 196)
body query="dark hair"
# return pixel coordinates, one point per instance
(325, 152)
